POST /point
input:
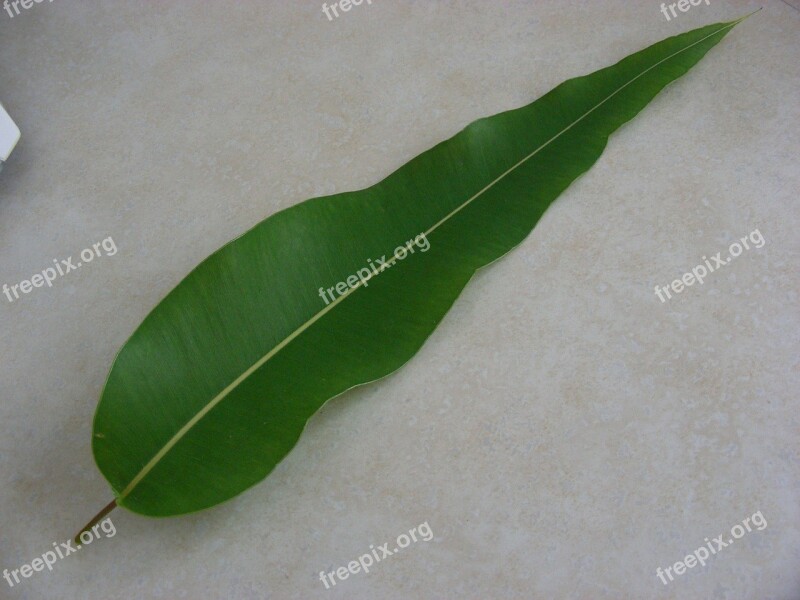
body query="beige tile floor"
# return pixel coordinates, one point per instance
(563, 433)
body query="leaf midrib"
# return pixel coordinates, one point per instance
(258, 364)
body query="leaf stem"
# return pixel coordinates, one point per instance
(97, 518)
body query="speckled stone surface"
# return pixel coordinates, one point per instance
(563, 433)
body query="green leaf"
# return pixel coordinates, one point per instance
(216, 385)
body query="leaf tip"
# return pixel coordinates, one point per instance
(747, 16)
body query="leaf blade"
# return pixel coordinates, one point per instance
(188, 411)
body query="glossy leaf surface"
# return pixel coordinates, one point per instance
(216, 385)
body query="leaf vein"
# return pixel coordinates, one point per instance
(259, 363)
